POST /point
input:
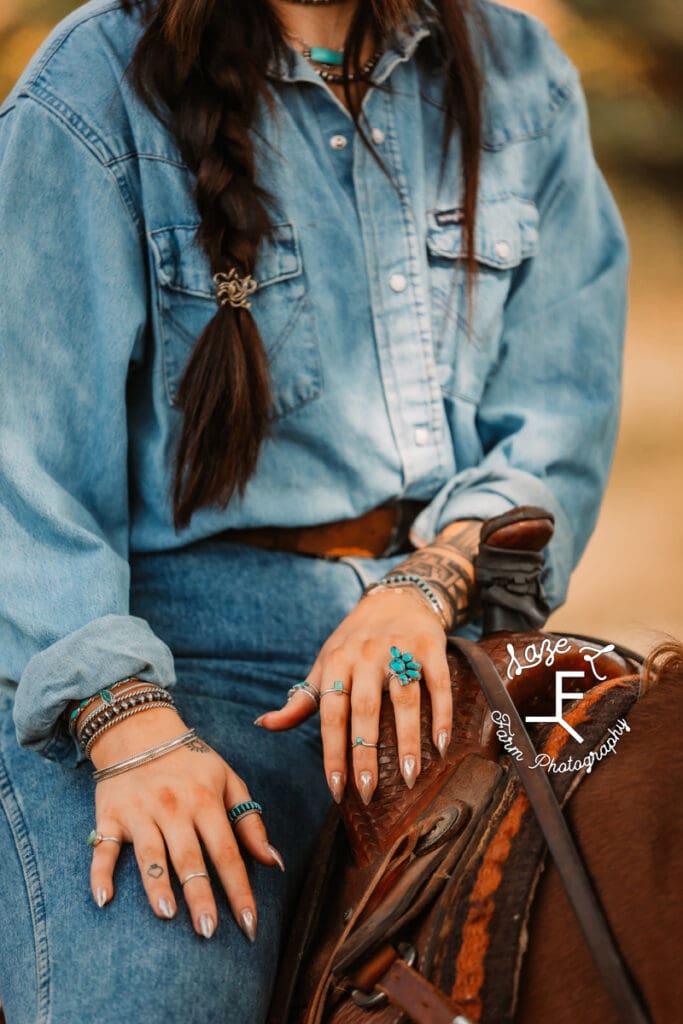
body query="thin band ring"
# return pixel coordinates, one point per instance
(194, 874)
(95, 838)
(337, 687)
(360, 742)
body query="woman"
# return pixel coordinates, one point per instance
(295, 295)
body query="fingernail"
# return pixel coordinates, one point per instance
(206, 925)
(442, 741)
(166, 908)
(408, 766)
(276, 855)
(248, 924)
(336, 784)
(257, 721)
(101, 896)
(365, 787)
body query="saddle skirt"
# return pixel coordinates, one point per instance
(445, 873)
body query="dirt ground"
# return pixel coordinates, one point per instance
(629, 583)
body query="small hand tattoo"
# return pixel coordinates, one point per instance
(155, 870)
(199, 746)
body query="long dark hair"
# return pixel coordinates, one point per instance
(205, 60)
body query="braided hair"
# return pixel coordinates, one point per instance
(200, 66)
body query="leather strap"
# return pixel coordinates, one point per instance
(417, 997)
(621, 987)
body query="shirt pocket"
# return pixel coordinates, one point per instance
(186, 301)
(506, 233)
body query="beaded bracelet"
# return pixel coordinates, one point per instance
(110, 714)
(130, 691)
(398, 579)
(119, 718)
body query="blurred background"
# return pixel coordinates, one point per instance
(629, 585)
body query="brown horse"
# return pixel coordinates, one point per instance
(627, 817)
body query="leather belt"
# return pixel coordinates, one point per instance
(378, 533)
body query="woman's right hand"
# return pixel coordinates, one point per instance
(176, 800)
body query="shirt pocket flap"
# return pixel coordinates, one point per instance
(183, 266)
(506, 232)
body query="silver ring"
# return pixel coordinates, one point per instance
(307, 688)
(360, 742)
(95, 838)
(194, 874)
(337, 687)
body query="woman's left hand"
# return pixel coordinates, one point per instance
(358, 653)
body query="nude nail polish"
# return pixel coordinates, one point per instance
(259, 720)
(442, 741)
(101, 896)
(408, 767)
(336, 784)
(166, 908)
(248, 924)
(276, 855)
(365, 787)
(206, 925)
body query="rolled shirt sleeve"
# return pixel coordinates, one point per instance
(549, 413)
(72, 312)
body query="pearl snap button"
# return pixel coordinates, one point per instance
(398, 283)
(421, 436)
(502, 250)
(338, 141)
(377, 136)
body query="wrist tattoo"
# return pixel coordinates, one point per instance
(199, 746)
(447, 564)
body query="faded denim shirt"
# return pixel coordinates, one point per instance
(379, 392)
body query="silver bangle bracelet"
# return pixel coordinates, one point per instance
(123, 695)
(112, 712)
(146, 755)
(120, 718)
(420, 586)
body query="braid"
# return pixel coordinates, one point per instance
(205, 60)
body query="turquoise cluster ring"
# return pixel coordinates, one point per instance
(404, 667)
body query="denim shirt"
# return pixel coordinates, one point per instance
(379, 391)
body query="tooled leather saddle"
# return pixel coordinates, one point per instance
(408, 913)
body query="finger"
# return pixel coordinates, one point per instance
(249, 828)
(335, 711)
(150, 854)
(437, 679)
(104, 858)
(366, 694)
(187, 858)
(296, 709)
(406, 702)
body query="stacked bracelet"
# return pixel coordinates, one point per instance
(121, 717)
(106, 716)
(145, 756)
(106, 695)
(435, 601)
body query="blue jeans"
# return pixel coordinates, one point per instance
(244, 624)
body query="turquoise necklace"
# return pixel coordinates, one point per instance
(333, 59)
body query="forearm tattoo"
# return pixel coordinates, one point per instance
(447, 565)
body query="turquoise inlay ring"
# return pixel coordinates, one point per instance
(307, 688)
(337, 687)
(246, 807)
(360, 742)
(404, 667)
(95, 837)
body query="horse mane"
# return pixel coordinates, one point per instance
(663, 663)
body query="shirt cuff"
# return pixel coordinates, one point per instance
(89, 659)
(476, 495)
